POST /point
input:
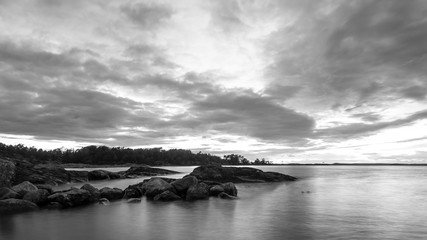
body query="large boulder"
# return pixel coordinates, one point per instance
(24, 187)
(38, 197)
(111, 193)
(16, 205)
(166, 196)
(197, 192)
(237, 174)
(45, 187)
(94, 192)
(230, 189)
(7, 172)
(6, 193)
(181, 185)
(155, 186)
(71, 198)
(98, 175)
(78, 176)
(134, 172)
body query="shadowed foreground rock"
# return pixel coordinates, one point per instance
(238, 175)
(16, 205)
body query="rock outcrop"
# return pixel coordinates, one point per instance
(16, 205)
(237, 174)
(7, 172)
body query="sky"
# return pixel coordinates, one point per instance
(287, 80)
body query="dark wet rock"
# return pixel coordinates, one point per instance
(181, 185)
(7, 173)
(104, 201)
(94, 192)
(197, 192)
(237, 174)
(78, 176)
(155, 186)
(71, 198)
(38, 197)
(8, 206)
(111, 193)
(54, 205)
(230, 188)
(6, 193)
(139, 171)
(52, 175)
(134, 200)
(166, 196)
(45, 187)
(24, 187)
(133, 191)
(215, 190)
(224, 195)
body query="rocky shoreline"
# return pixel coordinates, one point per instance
(36, 192)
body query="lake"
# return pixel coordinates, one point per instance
(345, 202)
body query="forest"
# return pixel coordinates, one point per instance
(103, 155)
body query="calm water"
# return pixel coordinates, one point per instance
(345, 202)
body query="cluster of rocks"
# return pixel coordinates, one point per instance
(203, 182)
(14, 171)
(27, 196)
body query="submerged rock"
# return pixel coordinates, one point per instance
(134, 200)
(103, 201)
(230, 188)
(224, 195)
(215, 190)
(16, 205)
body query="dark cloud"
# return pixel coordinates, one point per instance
(282, 92)
(415, 92)
(361, 129)
(147, 15)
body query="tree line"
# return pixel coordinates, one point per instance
(103, 155)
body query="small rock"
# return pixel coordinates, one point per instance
(6, 193)
(197, 192)
(215, 190)
(38, 197)
(103, 201)
(224, 195)
(111, 193)
(230, 188)
(54, 205)
(95, 194)
(134, 200)
(181, 185)
(155, 186)
(45, 187)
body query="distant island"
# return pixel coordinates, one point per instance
(120, 156)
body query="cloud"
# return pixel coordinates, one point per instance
(355, 130)
(147, 15)
(415, 92)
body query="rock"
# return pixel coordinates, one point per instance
(134, 200)
(71, 198)
(139, 171)
(78, 176)
(38, 197)
(103, 201)
(197, 192)
(224, 195)
(95, 194)
(181, 185)
(111, 193)
(155, 186)
(24, 187)
(98, 175)
(215, 190)
(237, 174)
(16, 205)
(45, 187)
(7, 173)
(133, 191)
(166, 196)
(230, 188)
(6, 193)
(54, 205)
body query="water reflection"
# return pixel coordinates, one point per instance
(345, 202)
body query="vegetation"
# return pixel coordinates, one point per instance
(103, 155)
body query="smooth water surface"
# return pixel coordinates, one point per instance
(345, 202)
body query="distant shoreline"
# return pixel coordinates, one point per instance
(351, 164)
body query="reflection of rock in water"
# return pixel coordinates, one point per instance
(7, 226)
